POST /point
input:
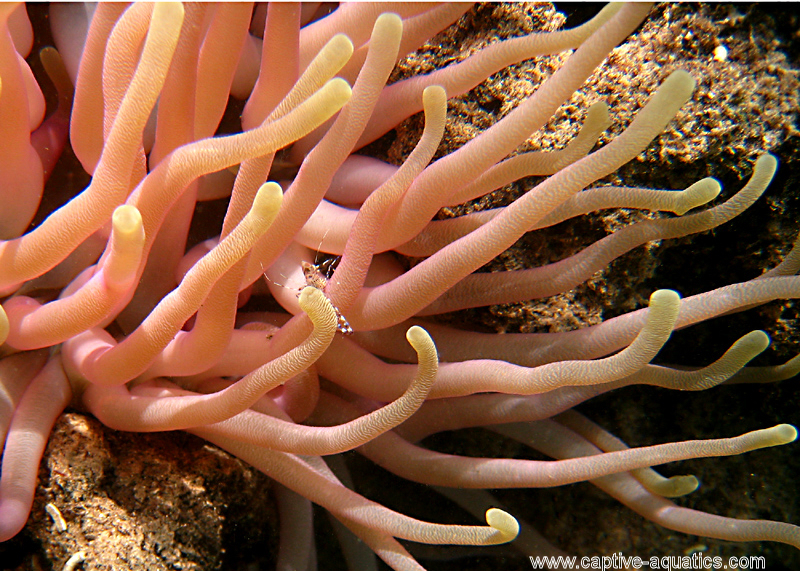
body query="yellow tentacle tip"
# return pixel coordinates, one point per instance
(757, 341)
(340, 45)
(505, 523)
(310, 296)
(318, 307)
(4, 326)
(681, 81)
(664, 306)
(664, 297)
(416, 336)
(268, 199)
(767, 161)
(782, 434)
(339, 91)
(127, 242)
(172, 11)
(434, 95)
(597, 114)
(127, 221)
(388, 23)
(677, 486)
(701, 192)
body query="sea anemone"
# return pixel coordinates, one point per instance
(114, 305)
